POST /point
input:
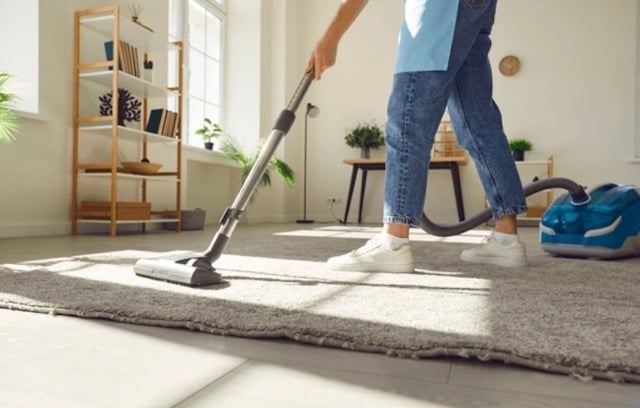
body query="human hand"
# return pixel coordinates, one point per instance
(324, 53)
(322, 57)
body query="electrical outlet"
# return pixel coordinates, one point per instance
(333, 200)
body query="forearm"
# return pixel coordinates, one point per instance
(324, 53)
(345, 16)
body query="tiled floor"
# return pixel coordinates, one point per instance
(48, 361)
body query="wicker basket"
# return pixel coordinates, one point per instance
(445, 144)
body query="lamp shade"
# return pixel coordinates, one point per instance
(312, 110)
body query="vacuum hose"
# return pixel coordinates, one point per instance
(578, 197)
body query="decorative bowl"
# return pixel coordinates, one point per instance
(141, 167)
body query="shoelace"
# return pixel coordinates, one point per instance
(366, 247)
(488, 239)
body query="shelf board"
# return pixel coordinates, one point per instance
(133, 84)
(131, 32)
(532, 162)
(150, 221)
(170, 177)
(128, 133)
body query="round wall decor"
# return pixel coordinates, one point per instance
(510, 65)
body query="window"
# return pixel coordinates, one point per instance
(201, 24)
(637, 138)
(19, 48)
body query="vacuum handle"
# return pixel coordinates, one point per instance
(300, 91)
(288, 115)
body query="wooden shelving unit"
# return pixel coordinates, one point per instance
(107, 24)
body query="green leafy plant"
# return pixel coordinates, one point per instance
(209, 130)
(520, 145)
(365, 135)
(231, 149)
(8, 118)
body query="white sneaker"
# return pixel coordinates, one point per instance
(490, 252)
(375, 256)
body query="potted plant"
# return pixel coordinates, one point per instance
(8, 118)
(518, 147)
(209, 131)
(365, 137)
(231, 149)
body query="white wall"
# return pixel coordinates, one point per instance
(36, 168)
(575, 98)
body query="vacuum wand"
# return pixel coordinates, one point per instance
(199, 271)
(231, 216)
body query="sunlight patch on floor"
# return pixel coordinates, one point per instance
(458, 304)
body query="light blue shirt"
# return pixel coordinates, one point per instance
(426, 35)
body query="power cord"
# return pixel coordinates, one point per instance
(335, 217)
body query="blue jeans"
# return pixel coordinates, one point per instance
(415, 109)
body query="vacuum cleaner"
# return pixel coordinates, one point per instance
(604, 223)
(607, 227)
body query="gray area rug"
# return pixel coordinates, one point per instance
(570, 316)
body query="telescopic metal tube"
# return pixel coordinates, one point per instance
(232, 215)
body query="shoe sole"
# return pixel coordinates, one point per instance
(505, 262)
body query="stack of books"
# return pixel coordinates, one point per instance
(163, 122)
(129, 57)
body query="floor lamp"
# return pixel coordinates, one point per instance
(312, 111)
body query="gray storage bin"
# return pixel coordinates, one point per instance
(189, 220)
(192, 220)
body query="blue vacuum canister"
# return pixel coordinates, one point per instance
(608, 226)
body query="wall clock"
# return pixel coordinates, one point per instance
(509, 65)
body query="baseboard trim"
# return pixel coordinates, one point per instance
(34, 230)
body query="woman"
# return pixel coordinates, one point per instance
(442, 62)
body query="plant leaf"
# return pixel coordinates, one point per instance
(8, 125)
(285, 171)
(8, 119)
(231, 149)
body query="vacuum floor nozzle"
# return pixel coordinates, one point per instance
(190, 272)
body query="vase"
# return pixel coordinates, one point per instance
(365, 153)
(518, 155)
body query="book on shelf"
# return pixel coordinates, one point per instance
(125, 54)
(129, 57)
(163, 122)
(108, 50)
(135, 59)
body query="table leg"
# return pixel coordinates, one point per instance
(457, 190)
(354, 174)
(362, 188)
